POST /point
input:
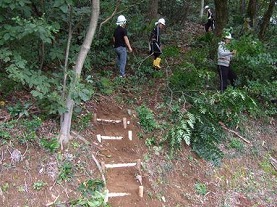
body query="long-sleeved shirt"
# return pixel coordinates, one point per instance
(224, 55)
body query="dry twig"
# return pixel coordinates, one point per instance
(234, 132)
(100, 169)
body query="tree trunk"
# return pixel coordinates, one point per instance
(221, 11)
(266, 19)
(153, 9)
(202, 8)
(242, 6)
(66, 117)
(251, 11)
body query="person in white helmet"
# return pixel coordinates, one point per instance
(155, 42)
(210, 23)
(121, 43)
(224, 57)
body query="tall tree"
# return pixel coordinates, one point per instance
(266, 19)
(242, 6)
(251, 11)
(153, 9)
(67, 116)
(221, 10)
(202, 8)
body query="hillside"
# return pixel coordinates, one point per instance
(35, 172)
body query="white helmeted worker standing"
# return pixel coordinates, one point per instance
(210, 23)
(155, 42)
(121, 41)
(224, 57)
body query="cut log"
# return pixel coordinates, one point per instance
(130, 135)
(120, 165)
(111, 195)
(141, 191)
(109, 121)
(100, 138)
(124, 122)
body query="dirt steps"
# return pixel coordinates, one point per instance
(120, 161)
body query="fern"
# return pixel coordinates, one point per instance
(182, 131)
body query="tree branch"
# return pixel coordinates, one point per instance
(234, 132)
(106, 20)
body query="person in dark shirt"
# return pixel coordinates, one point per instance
(121, 43)
(155, 43)
(210, 23)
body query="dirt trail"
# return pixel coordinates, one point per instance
(123, 179)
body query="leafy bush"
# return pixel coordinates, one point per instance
(147, 119)
(199, 125)
(93, 194)
(50, 144)
(252, 61)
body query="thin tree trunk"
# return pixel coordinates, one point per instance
(202, 8)
(251, 11)
(242, 6)
(66, 117)
(266, 19)
(153, 9)
(221, 11)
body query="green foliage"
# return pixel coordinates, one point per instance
(89, 187)
(92, 194)
(81, 91)
(39, 185)
(146, 119)
(171, 51)
(150, 142)
(28, 128)
(19, 109)
(50, 144)
(265, 93)
(65, 171)
(105, 86)
(199, 126)
(236, 144)
(181, 131)
(83, 121)
(267, 166)
(189, 77)
(200, 188)
(252, 61)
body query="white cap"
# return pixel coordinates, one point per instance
(206, 7)
(121, 20)
(228, 36)
(160, 21)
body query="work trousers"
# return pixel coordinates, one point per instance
(225, 74)
(155, 49)
(121, 59)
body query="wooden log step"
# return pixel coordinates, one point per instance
(114, 121)
(101, 137)
(132, 164)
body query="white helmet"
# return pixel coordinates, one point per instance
(228, 36)
(206, 7)
(161, 21)
(121, 20)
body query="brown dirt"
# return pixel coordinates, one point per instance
(239, 182)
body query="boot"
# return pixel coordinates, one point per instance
(158, 62)
(154, 63)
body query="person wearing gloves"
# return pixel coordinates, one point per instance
(121, 41)
(155, 42)
(224, 58)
